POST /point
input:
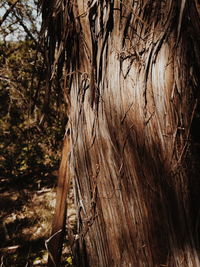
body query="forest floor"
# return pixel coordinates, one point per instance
(26, 212)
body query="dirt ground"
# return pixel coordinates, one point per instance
(26, 211)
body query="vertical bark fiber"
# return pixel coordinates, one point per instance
(133, 84)
(55, 242)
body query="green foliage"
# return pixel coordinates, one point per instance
(26, 148)
(31, 124)
(69, 261)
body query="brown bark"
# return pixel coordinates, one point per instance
(133, 77)
(55, 242)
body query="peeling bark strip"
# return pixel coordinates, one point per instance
(133, 79)
(55, 242)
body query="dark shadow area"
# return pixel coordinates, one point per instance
(171, 198)
(25, 254)
(30, 182)
(170, 215)
(7, 204)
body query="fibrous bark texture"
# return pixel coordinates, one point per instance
(130, 72)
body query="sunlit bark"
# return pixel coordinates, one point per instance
(133, 82)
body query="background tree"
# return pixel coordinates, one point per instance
(131, 71)
(29, 138)
(19, 19)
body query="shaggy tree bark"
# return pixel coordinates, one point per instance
(132, 80)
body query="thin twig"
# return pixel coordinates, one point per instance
(2, 261)
(47, 242)
(8, 12)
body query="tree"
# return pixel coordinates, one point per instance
(30, 133)
(131, 76)
(19, 19)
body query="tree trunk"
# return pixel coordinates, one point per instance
(133, 83)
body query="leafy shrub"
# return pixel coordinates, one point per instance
(26, 148)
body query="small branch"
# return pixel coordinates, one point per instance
(47, 242)
(22, 24)
(25, 28)
(2, 261)
(8, 12)
(183, 2)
